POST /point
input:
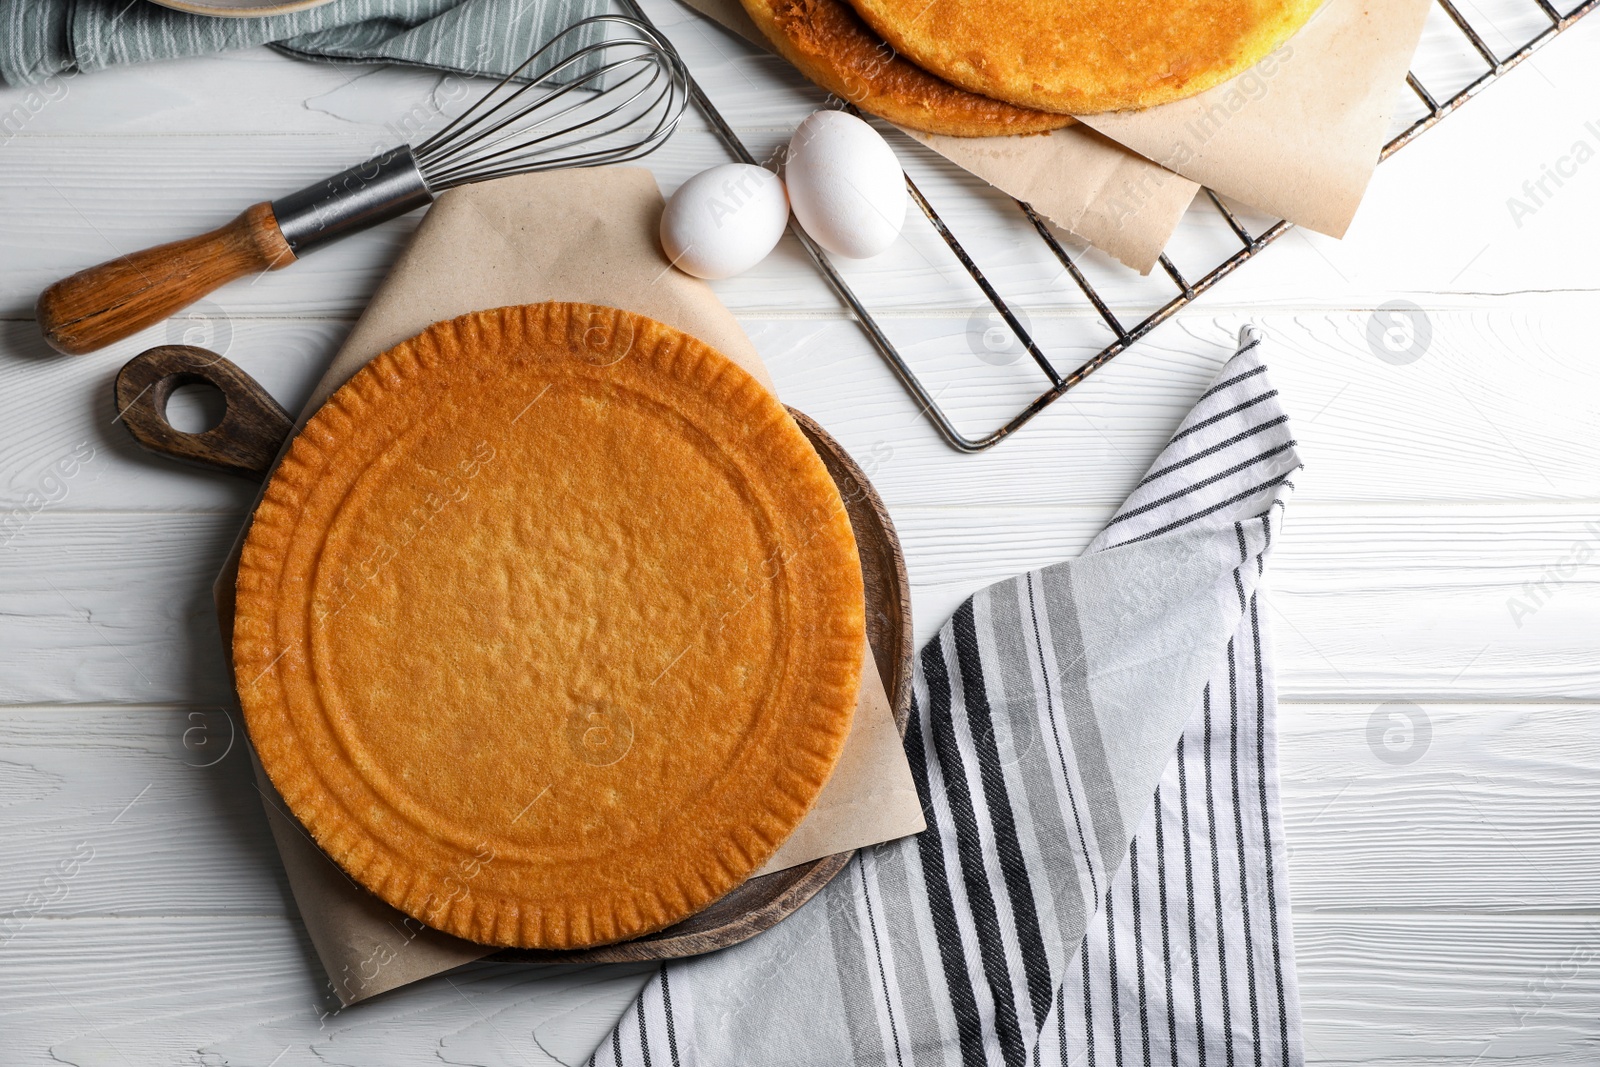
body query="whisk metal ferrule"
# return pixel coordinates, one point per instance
(384, 187)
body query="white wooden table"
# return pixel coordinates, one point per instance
(1445, 908)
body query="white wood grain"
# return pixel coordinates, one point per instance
(1435, 989)
(1499, 408)
(1363, 834)
(238, 990)
(1394, 604)
(1445, 910)
(1397, 989)
(1495, 788)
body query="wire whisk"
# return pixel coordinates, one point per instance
(605, 90)
(606, 101)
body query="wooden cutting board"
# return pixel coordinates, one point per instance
(253, 430)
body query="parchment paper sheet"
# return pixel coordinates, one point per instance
(579, 235)
(1297, 136)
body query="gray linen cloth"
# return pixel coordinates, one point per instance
(41, 39)
(1102, 878)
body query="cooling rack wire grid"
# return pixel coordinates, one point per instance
(1485, 66)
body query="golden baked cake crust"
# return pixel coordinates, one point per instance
(1085, 56)
(549, 626)
(830, 44)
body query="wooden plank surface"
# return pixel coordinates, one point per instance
(1442, 559)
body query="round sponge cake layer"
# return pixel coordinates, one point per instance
(830, 44)
(549, 626)
(1086, 56)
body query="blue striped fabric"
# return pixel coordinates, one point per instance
(1102, 878)
(45, 39)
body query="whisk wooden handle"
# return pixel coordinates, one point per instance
(120, 297)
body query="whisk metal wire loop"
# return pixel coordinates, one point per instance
(458, 152)
(572, 103)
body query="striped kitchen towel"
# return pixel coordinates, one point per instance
(42, 41)
(1102, 878)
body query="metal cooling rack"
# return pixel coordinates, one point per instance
(1125, 335)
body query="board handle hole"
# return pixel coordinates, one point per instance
(194, 405)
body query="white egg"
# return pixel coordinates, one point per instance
(724, 221)
(845, 185)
